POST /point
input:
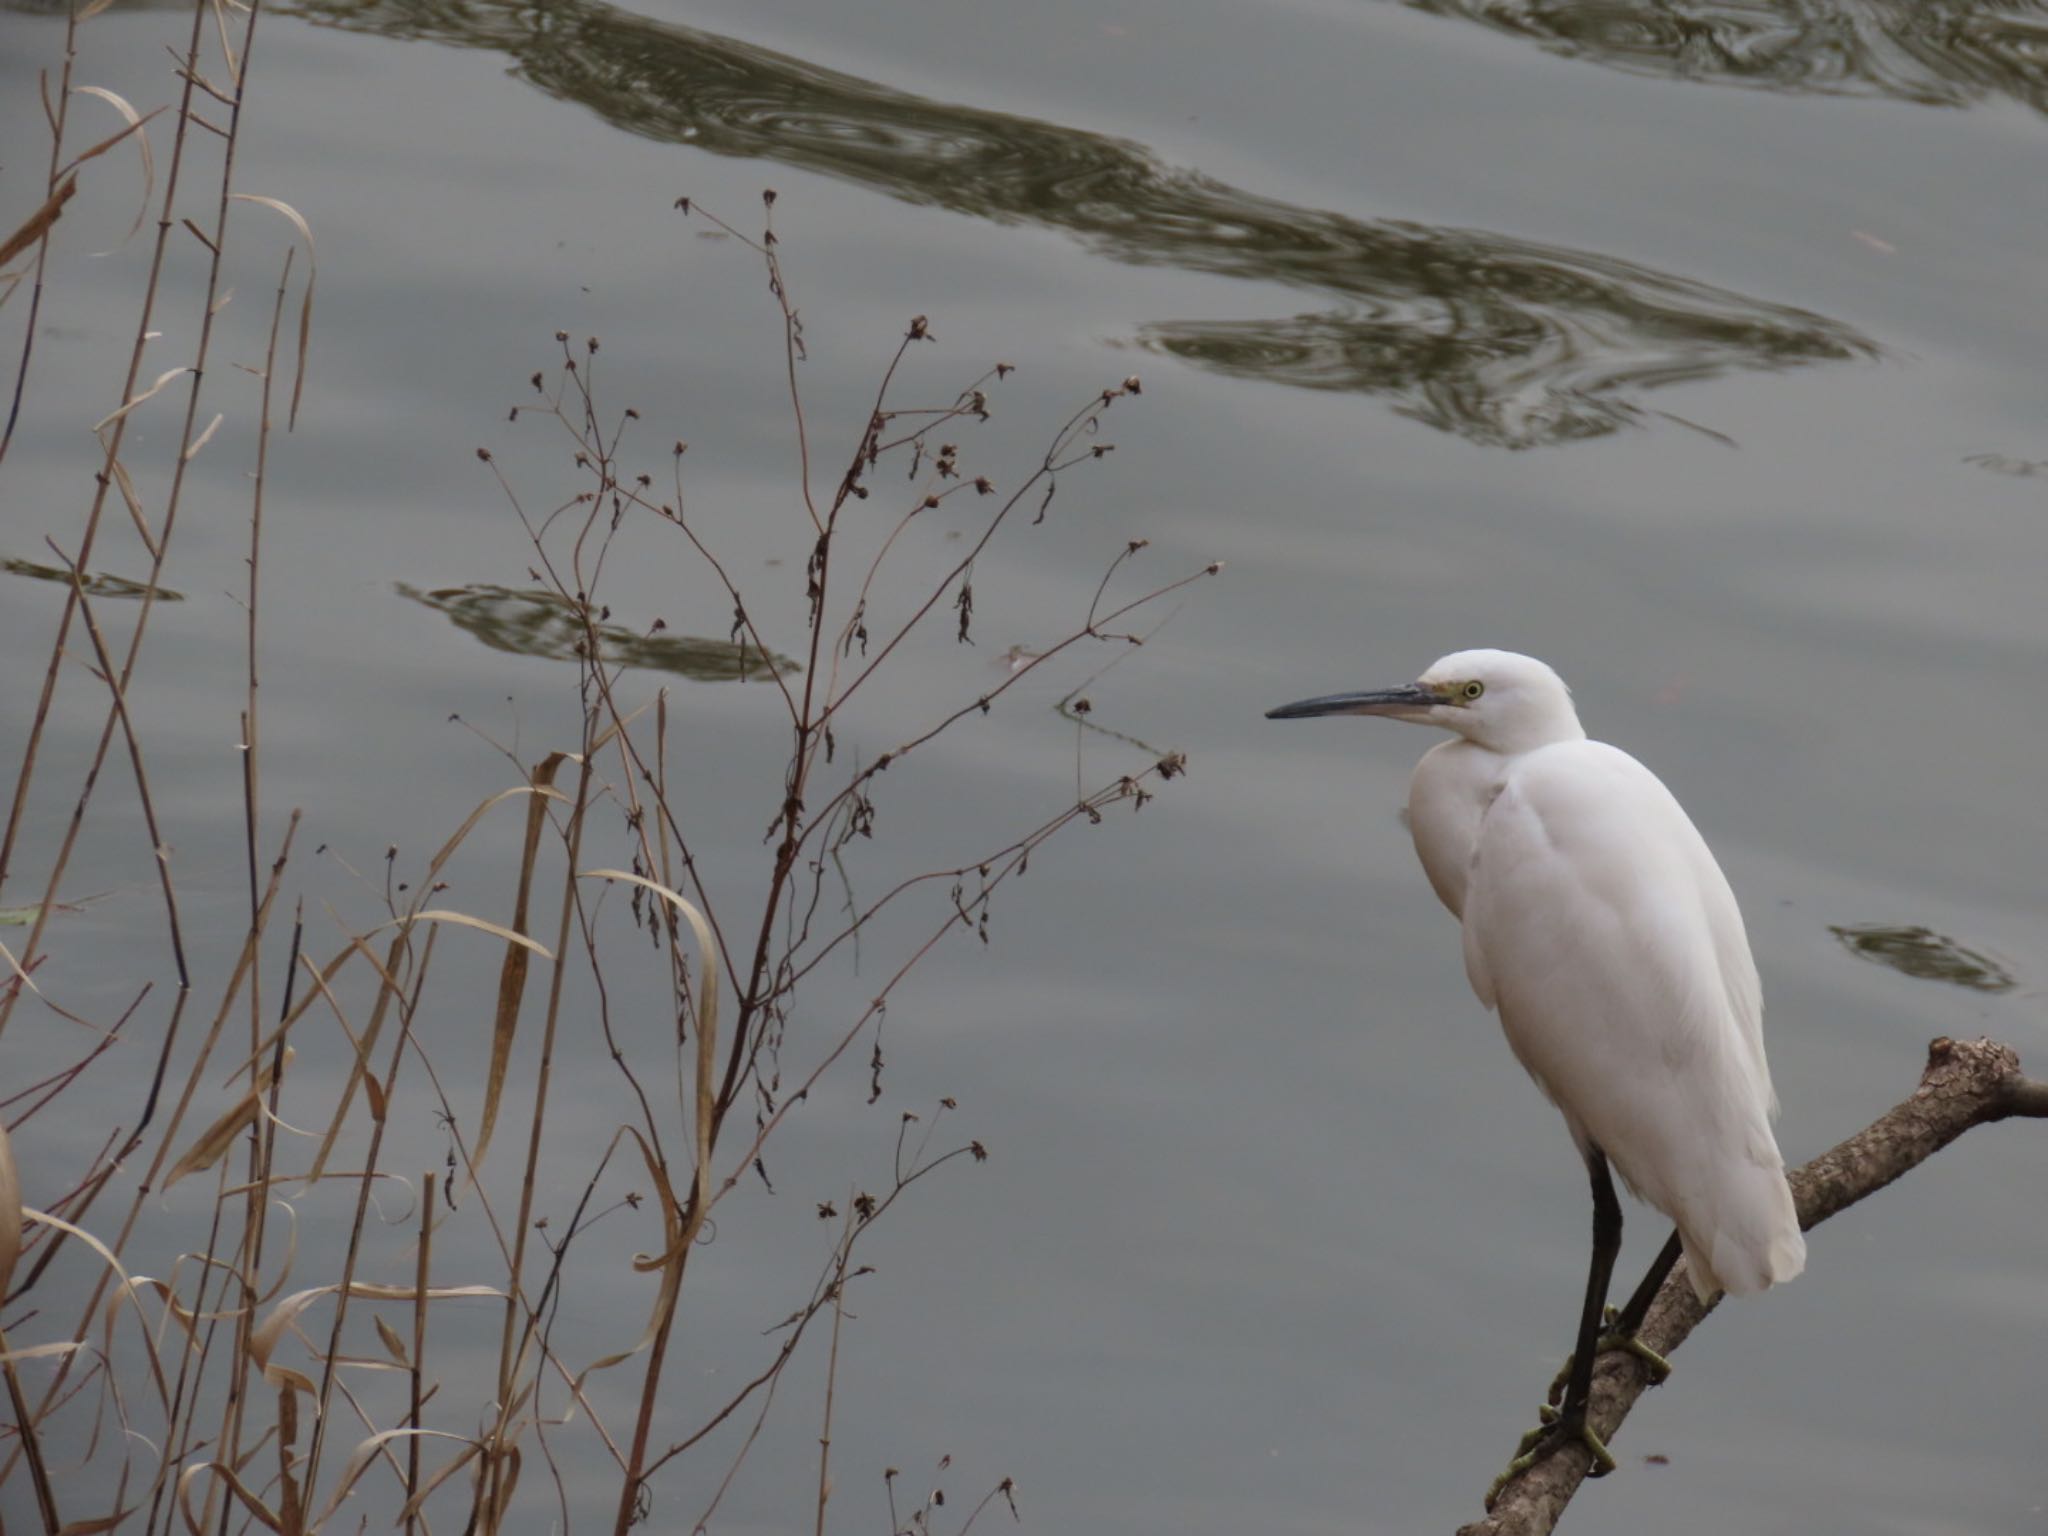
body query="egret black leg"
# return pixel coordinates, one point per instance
(1606, 1245)
(1630, 1321)
(1570, 1422)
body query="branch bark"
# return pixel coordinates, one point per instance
(1965, 1084)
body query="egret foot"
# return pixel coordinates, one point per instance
(1631, 1343)
(1555, 1432)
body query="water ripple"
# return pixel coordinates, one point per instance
(1938, 53)
(1499, 340)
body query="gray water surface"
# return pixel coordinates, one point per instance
(1698, 352)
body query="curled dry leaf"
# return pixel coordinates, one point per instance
(366, 1452)
(267, 1334)
(306, 303)
(58, 1224)
(135, 127)
(442, 915)
(669, 1262)
(707, 1030)
(126, 406)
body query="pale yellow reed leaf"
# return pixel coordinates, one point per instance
(14, 965)
(707, 1028)
(305, 230)
(670, 1263)
(226, 1474)
(512, 974)
(204, 437)
(135, 127)
(215, 1140)
(482, 924)
(58, 1223)
(455, 1465)
(393, 1344)
(365, 1451)
(115, 415)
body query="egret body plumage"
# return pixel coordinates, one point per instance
(1599, 926)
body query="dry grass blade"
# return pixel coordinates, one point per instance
(393, 1344)
(461, 834)
(669, 1262)
(175, 1309)
(482, 924)
(133, 500)
(512, 976)
(388, 988)
(707, 1028)
(267, 1334)
(204, 437)
(426, 1490)
(241, 1491)
(39, 222)
(213, 1143)
(55, 1351)
(366, 1452)
(135, 122)
(128, 1283)
(14, 965)
(10, 1210)
(128, 405)
(305, 304)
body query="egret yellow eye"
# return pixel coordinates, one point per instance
(1472, 690)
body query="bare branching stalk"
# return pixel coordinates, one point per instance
(256, 1413)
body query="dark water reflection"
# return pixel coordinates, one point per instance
(96, 584)
(536, 622)
(1498, 340)
(1927, 51)
(1920, 951)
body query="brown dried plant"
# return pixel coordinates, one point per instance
(226, 1387)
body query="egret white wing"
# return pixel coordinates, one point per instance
(1598, 924)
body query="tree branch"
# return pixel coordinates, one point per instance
(1965, 1083)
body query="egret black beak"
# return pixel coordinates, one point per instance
(1408, 699)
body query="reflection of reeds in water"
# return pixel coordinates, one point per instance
(1496, 339)
(1915, 950)
(536, 622)
(1937, 53)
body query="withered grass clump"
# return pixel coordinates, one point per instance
(261, 1370)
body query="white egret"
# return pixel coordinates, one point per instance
(1599, 926)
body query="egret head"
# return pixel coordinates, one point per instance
(1499, 700)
